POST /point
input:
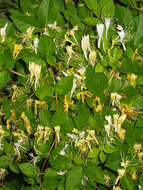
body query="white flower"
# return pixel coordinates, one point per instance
(2, 173)
(54, 26)
(122, 35)
(115, 98)
(85, 45)
(109, 119)
(107, 24)
(92, 58)
(62, 152)
(70, 51)
(34, 158)
(3, 32)
(81, 134)
(72, 136)
(36, 41)
(57, 131)
(18, 145)
(100, 29)
(61, 172)
(73, 87)
(107, 129)
(35, 71)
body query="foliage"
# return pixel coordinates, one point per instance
(71, 98)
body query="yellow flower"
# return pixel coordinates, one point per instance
(43, 134)
(3, 32)
(97, 104)
(81, 144)
(134, 175)
(92, 58)
(57, 131)
(121, 132)
(132, 79)
(75, 131)
(115, 99)
(67, 103)
(27, 123)
(28, 35)
(137, 148)
(83, 94)
(40, 104)
(17, 49)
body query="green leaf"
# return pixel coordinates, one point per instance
(4, 78)
(138, 103)
(91, 21)
(128, 183)
(49, 11)
(64, 85)
(93, 5)
(139, 35)
(96, 83)
(113, 160)
(6, 60)
(5, 161)
(22, 22)
(124, 15)
(29, 170)
(46, 46)
(44, 91)
(108, 9)
(95, 173)
(74, 177)
(45, 117)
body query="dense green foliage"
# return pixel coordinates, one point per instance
(71, 95)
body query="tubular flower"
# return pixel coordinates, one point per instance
(73, 87)
(92, 58)
(132, 78)
(43, 134)
(67, 103)
(97, 104)
(57, 131)
(41, 104)
(2, 173)
(35, 71)
(36, 41)
(83, 95)
(3, 32)
(28, 35)
(137, 148)
(19, 146)
(115, 99)
(107, 24)
(17, 49)
(27, 123)
(100, 29)
(28, 103)
(54, 26)
(75, 28)
(134, 175)
(91, 135)
(85, 45)
(122, 35)
(121, 173)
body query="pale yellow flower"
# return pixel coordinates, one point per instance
(3, 32)
(57, 131)
(27, 123)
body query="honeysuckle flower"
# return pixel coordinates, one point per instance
(34, 158)
(100, 29)
(97, 104)
(84, 179)
(73, 87)
(2, 173)
(36, 41)
(61, 172)
(83, 95)
(109, 119)
(115, 99)
(121, 173)
(122, 133)
(70, 51)
(67, 103)
(137, 147)
(134, 175)
(107, 24)
(28, 35)
(3, 32)
(91, 135)
(76, 131)
(118, 120)
(92, 58)
(43, 134)
(116, 188)
(107, 129)
(72, 136)
(85, 45)
(40, 104)
(19, 146)
(17, 49)
(27, 123)
(54, 26)
(57, 131)
(122, 35)
(1, 144)
(29, 103)
(81, 134)
(82, 146)
(75, 28)
(62, 152)
(140, 156)
(35, 71)
(132, 78)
